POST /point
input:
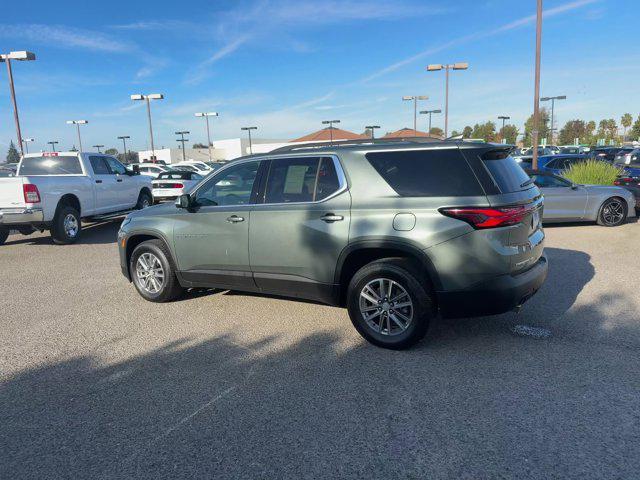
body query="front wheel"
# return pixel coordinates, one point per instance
(144, 200)
(4, 234)
(613, 212)
(66, 227)
(153, 272)
(388, 304)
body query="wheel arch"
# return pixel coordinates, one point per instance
(139, 237)
(69, 199)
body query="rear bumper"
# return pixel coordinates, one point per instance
(21, 216)
(498, 295)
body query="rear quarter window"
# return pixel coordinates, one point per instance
(53, 165)
(426, 173)
(506, 173)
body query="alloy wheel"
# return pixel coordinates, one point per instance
(150, 273)
(386, 306)
(613, 212)
(70, 226)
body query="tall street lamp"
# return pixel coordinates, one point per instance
(504, 118)
(124, 146)
(330, 123)
(148, 98)
(77, 123)
(415, 99)
(26, 143)
(536, 88)
(553, 102)
(372, 128)
(7, 57)
(53, 144)
(429, 112)
(98, 147)
(206, 116)
(446, 68)
(183, 140)
(248, 130)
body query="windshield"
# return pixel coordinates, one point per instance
(50, 165)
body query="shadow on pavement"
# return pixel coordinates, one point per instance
(473, 401)
(92, 234)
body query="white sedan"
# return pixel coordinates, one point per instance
(172, 184)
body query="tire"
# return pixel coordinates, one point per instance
(613, 212)
(4, 234)
(168, 287)
(405, 284)
(66, 227)
(144, 200)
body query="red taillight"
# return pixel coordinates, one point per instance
(619, 181)
(489, 217)
(31, 193)
(176, 185)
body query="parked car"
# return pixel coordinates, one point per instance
(199, 167)
(565, 201)
(184, 168)
(606, 154)
(393, 231)
(629, 161)
(172, 184)
(7, 172)
(572, 149)
(152, 169)
(555, 164)
(633, 185)
(56, 191)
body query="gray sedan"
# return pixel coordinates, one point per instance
(565, 201)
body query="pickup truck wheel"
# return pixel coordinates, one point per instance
(66, 227)
(4, 234)
(388, 304)
(153, 272)
(144, 200)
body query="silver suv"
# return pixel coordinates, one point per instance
(396, 232)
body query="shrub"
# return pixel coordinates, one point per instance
(592, 172)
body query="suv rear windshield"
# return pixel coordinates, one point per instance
(426, 173)
(508, 176)
(50, 166)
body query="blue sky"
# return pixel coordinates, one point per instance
(286, 65)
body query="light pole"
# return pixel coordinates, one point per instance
(53, 144)
(148, 98)
(98, 147)
(182, 140)
(330, 127)
(7, 57)
(77, 123)
(124, 146)
(553, 102)
(248, 130)
(503, 118)
(415, 99)
(536, 87)
(206, 116)
(26, 143)
(372, 128)
(429, 112)
(446, 68)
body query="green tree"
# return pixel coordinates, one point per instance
(574, 129)
(467, 131)
(437, 132)
(543, 128)
(485, 131)
(607, 129)
(12, 154)
(626, 120)
(455, 133)
(509, 133)
(635, 130)
(202, 145)
(111, 151)
(130, 157)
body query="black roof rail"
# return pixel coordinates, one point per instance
(360, 141)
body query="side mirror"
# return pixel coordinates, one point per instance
(135, 169)
(183, 201)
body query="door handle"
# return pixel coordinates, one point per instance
(330, 218)
(98, 181)
(119, 180)
(235, 219)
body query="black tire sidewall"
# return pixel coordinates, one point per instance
(141, 198)
(58, 233)
(4, 234)
(151, 247)
(601, 213)
(422, 304)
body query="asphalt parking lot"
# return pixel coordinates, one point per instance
(97, 383)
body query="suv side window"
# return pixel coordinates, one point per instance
(116, 167)
(99, 165)
(305, 179)
(426, 173)
(233, 186)
(328, 181)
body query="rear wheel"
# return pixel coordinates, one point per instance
(153, 272)
(4, 234)
(66, 227)
(144, 200)
(613, 212)
(389, 305)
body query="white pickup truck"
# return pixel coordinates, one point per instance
(54, 191)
